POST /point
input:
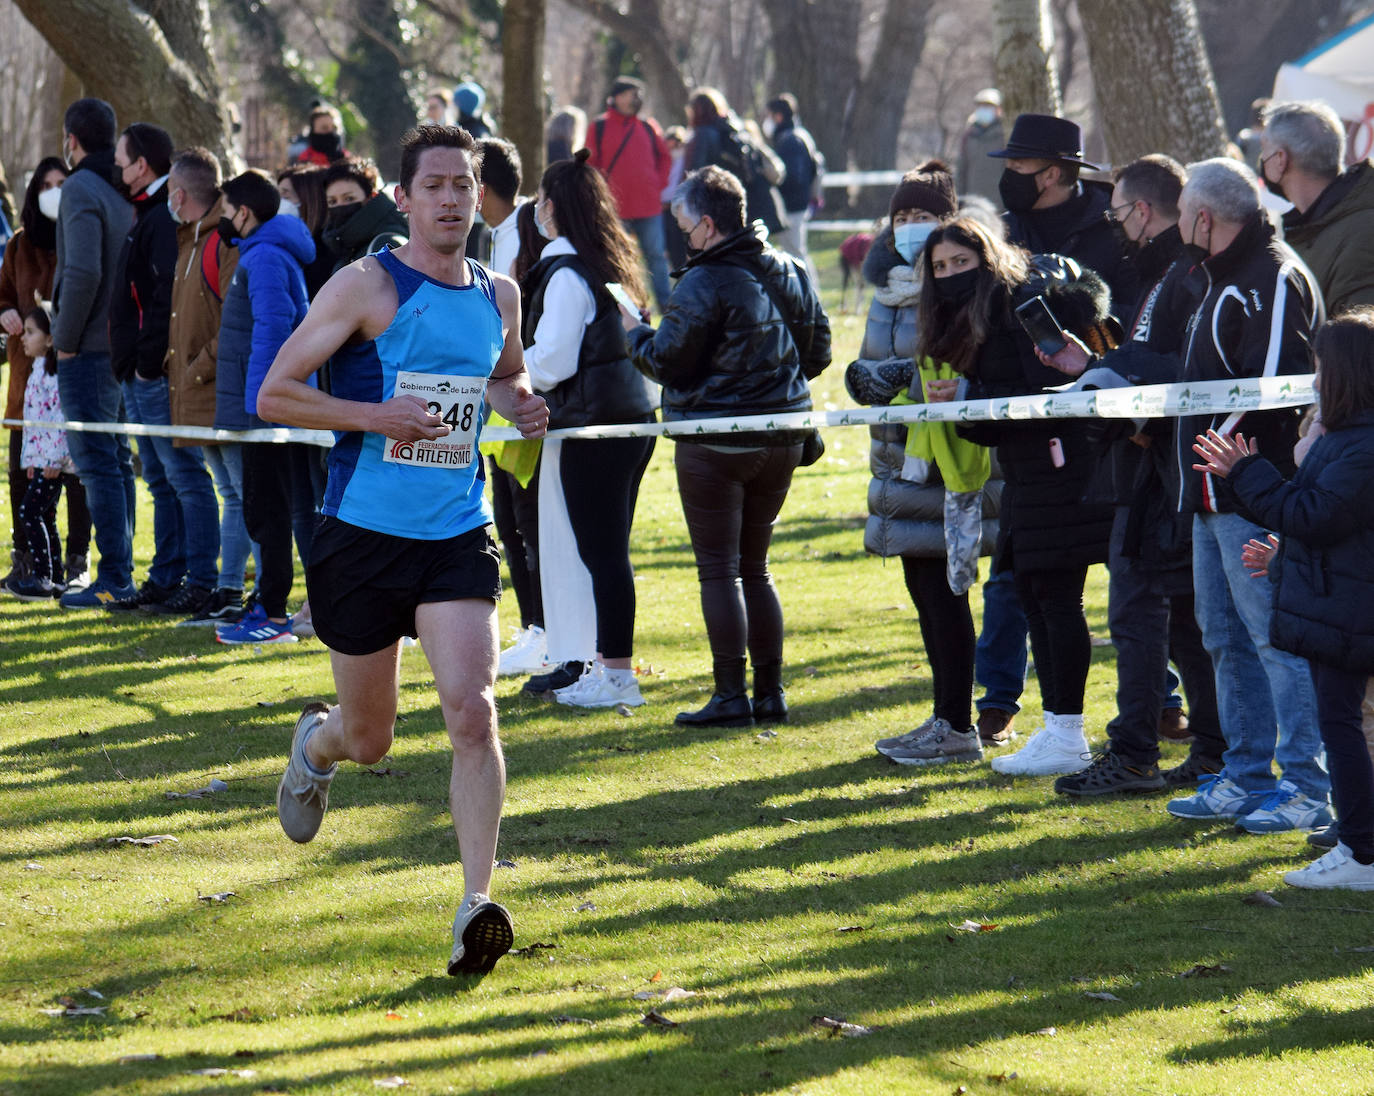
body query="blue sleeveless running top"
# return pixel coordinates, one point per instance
(440, 331)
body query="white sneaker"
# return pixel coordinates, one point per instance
(1337, 870)
(1044, 754)
(529, 654)
(595, 689)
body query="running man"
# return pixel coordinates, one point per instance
(418, 339)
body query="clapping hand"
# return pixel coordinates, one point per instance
(1221, 453)
(1256, 556)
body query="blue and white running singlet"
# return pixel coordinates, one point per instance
(441, 346)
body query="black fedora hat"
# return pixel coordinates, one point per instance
(1045, 137)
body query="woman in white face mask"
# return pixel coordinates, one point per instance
(30, 259)
(926, 503)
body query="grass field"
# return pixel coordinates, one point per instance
(741, 887)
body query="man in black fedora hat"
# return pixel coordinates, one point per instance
(1050, 209)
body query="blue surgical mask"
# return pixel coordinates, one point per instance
(909, 238)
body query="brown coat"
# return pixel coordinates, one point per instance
(25, 269)
(205, 266)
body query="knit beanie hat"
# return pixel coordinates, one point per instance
(929, 187)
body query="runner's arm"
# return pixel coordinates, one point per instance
(333, 319)
(509, 391)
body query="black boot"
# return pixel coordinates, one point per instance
(729, 707)
(770, 703)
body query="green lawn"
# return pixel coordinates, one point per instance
(775, 879)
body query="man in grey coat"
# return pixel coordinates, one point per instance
(92, 222)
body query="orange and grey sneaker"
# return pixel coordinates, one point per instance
(482, 933)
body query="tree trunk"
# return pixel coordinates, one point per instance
(887, 83)
(816, 58)
(643, 30)
(1152, 52)
(374, 80)
(1024, 55)
(123, 53)
(522, 103)
(30, 107)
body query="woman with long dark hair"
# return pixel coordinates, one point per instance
(1049, 535)
(577, 359)
(30, 262)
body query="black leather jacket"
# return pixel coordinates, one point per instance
(725, 348)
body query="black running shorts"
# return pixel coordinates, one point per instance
(364, 586)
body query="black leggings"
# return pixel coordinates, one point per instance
(515, 512)
(38, 514)
(730, 500)
(276, 485)
(947, 632)
(600, 480)
(78, 515)
(1053, 601)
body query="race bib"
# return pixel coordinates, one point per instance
(456, 400)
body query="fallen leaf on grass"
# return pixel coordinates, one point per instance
(238, 1016)
(572, 1020)
(1002, 1078)
(646, 995)
(1046, 1031)
(222, 896)
(75, 1010)
(1365, 947)
(972, 926)
(505, 863)
(654, 1018)
(94, 993)
(128, 1058)
(220, 1071)
(586, 907)
(268, 703)
(764, 736)
(530, 949)
(811, 671)
(852, 928)
(1201, 970)
(394, 1016)
(391, 1082)
(31, 866)
(657, 976)
(1261, 898)
(677, 993)
(623, 709)
(154, 839)
(385, 772)
(841, 1027)
(1101, 996)
(211, 788)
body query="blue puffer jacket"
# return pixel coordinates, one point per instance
(1323, 584)
(264, 303)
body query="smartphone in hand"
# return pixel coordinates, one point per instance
(1042, 326)
(622, 298)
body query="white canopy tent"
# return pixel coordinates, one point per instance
(1340, 72)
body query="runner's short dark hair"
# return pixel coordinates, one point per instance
(422, 138)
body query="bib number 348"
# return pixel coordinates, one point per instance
(458, 401)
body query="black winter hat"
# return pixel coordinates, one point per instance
(1045, 137)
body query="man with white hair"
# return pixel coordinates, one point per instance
(1257, 319)
(1331, 224)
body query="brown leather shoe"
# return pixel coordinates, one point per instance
(994, 727)
(1173, 724)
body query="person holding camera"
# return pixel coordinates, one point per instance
(968, 316)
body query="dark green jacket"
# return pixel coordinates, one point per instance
(378, 224)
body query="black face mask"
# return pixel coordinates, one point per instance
(339, 215)
(956, 288)
(1275, 188)
(227, 232)
(1122, 242)
(1019, 192)
(328, 143)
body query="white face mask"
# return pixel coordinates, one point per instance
(49, 201)
(769, 128)
(288, 208)
(547, 233)
(909, 238)
(984, 115)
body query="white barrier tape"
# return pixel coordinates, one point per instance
(1146, 402)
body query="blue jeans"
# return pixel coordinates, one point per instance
(186, 527)
(89, 393)
(1264, 695)
(999, 661)
(235, 546)
(649, 232)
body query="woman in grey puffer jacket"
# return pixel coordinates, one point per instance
(912, 516)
